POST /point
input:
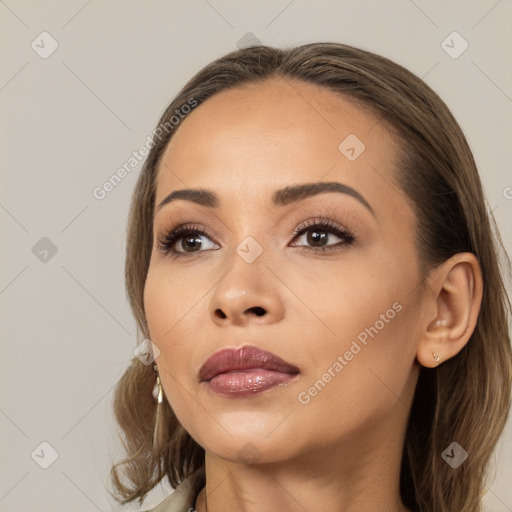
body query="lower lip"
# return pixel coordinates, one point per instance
(245, 383)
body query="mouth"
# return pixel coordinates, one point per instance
(245, 371)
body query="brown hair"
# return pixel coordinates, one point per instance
(465, 399)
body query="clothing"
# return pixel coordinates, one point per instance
(184, 497)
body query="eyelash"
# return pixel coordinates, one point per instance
(168, 239)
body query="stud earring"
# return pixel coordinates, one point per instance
(435, 356)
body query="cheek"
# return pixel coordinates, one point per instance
(169, 313)
(368, 350)
(171, 302)
(175, 310)
(347, 299)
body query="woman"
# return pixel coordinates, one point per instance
(310, 254)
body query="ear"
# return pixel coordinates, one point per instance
(456, 287)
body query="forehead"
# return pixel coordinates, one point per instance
(260, 137)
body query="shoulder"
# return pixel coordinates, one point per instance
(181, 499)
(176, 501)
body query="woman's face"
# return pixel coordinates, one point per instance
(346, 317)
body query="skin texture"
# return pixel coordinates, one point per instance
(341, 450)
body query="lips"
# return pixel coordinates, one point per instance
(244, 358)
(244, 371)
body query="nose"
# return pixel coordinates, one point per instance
(255, 310)
(246, 295)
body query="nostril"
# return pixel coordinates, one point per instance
(220, 313)
(259, 311)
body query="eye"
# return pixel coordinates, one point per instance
(317, 233)
(189, 237)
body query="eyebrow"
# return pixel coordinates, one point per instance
(282, 197)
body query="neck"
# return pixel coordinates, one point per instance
(351, 477)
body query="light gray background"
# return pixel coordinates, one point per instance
(71, 120)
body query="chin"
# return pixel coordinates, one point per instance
(247, 442)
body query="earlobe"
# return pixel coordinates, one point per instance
(457, 295)
(429, 360)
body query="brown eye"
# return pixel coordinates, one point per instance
(179, 240)
(319, 232)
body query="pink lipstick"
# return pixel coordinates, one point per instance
(245, 371)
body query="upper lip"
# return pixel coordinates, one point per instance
(243, 358)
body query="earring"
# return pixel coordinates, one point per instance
(435, 356)
(158, 432)
(157, 390)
